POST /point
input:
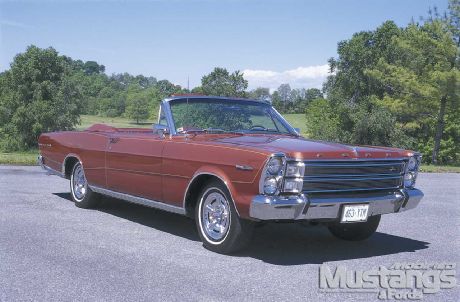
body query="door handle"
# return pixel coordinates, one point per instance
(114, 140)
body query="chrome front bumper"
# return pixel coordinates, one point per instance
(313, 208)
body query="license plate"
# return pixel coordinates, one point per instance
(355, 213)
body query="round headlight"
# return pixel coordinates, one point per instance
(409, 179)
(274, 165)
(412, 164)
(270, 185)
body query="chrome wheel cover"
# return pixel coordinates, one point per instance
(79, 184)
(215, 215)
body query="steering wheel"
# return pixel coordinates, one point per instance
(257, 127)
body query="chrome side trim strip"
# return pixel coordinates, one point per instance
(139, 200)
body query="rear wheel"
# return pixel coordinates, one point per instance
(219, 226)
(355, 231)
(79, 189)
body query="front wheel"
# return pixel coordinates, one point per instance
(355, 231)
(219, 226)
(79, 189)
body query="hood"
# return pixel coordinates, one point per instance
(311, 149)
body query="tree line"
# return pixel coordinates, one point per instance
(392, 86)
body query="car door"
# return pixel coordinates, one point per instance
(133, 164)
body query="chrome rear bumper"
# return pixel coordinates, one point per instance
(48, 170)
(313, 208)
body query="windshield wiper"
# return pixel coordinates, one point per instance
(211, 131)
(214, 130)
(272, 131)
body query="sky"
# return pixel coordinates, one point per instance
(272, 42)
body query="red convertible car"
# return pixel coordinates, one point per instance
(230, 163)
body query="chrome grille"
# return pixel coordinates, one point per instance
(353, 175)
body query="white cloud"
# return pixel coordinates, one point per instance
(301, 77)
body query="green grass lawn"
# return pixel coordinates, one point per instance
(19, 158)
(439, 169)
(297, 120)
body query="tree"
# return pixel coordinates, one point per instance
(284, 92)
(313, 94)
(421, 83)
(92, 67)
(221, 83)
(411, 72)
(260, 93)
(137, 107)
(166, 88)
(37, 95)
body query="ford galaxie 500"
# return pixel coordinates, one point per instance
(230, 163)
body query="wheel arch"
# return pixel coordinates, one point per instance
(69, 161)
(196, 184)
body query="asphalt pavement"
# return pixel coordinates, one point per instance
(51, 250)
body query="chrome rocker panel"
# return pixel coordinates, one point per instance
(303, 207)
(139, 200)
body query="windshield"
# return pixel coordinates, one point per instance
(225, 115)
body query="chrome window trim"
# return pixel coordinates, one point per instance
(284, 122)
(169, 119)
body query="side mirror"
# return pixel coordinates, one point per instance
(161, 130)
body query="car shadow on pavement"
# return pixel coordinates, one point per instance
(274, 243)
(296, 243)
(174, 224)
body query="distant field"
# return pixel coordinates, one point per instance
(297, 120)
(88, 120)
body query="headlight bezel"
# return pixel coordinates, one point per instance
(275, 164)
(411, 170)
(289, 176)
(275, 174)
(276, 185)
